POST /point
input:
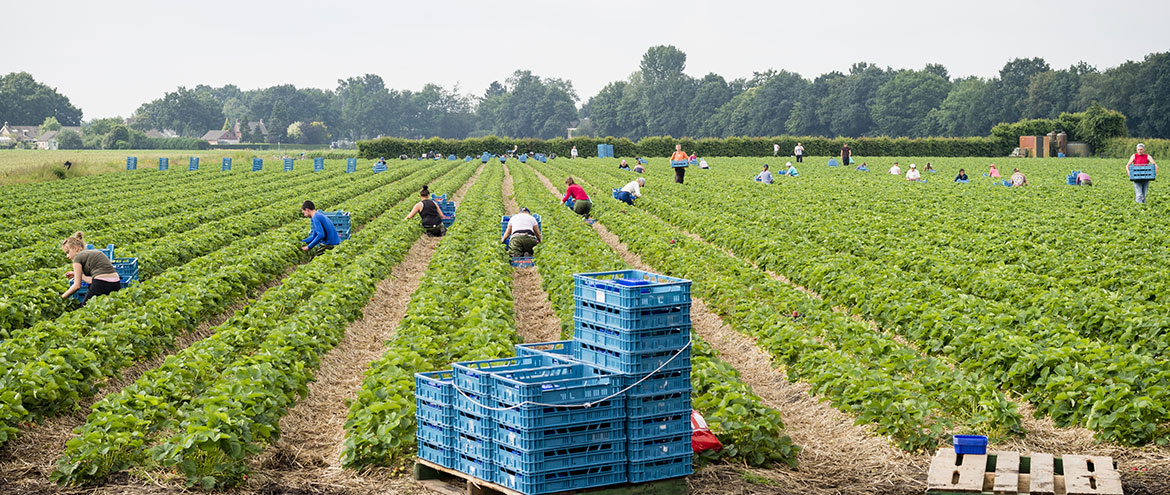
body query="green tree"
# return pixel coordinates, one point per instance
(711, 94)
(846, 108)
(902, 104)
(967, 110)
(117, 138)
(293, 133)
(69, 140)
(24, 101)
(1100, 124)
(314, 133)
(50, 124)
(661, 63)
(227, 124)
(101, 127)
(1012, 89)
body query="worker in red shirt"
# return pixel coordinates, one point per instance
(581, 204)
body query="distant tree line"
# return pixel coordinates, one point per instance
(658, 99)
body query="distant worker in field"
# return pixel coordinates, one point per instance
(429, 213)
(581, 203)
(1018, 178)
(993, 172)
(1083, 179)
(845, 154)
(913, 173)
(90, 266)
(381, 161)
(798, 152)
(775, 149)
(322, 233)
(679, 155)
(962, 177)
(895, 169)
(703, 164)
(623, 165)
(863, 167)
(522, 234)
(791, 170)
(928, 168)
(573, 153)
(639, 168)
(631, 191)
(1140, 157)
(765, 176)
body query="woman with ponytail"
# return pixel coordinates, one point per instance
(90, 266)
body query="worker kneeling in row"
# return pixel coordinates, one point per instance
(90, 266)
(322, 234)
(631, 191)
(522, 234)
(429, 213)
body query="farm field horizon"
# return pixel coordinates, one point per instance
(846, 323)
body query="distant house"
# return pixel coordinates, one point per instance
(257, 130)
(20, 133)
(221, 137)
(164, 134)
(48, 140)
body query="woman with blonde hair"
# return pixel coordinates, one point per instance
(90, 266)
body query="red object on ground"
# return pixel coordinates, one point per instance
(701, 436)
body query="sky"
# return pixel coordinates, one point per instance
(109, 57)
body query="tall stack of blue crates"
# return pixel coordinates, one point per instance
(638, 324)
(341, 223)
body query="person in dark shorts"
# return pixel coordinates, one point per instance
(89, 265)
(429, 213)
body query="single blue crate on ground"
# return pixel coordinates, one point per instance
(568, 384)
(562, 480)
(288, 164)
(164, 163)
(131, 163)
(631, 289)
(609, 430)
(633, 341)
(678, 423)
(535, 417)
(227, 164)
(970, 444)
(193, 164)
(257, 164)
(476, 376)
(1142, 172)
(658, 405)
(833, 162)
(479, 468)
(350, 165)
(661, 469)
(467, 158)
(452, 157)
(649, 449)
(632, 319)
(318, 164)
(540, 461)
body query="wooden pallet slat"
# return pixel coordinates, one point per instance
(1007, 473)
(956, 473)
(1090, 475)
(1042, 477)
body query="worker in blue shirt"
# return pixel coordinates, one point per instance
(323, 235)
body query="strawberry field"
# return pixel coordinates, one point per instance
(847, 323)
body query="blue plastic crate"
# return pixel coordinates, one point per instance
(677, 423)
(653, 340)
(631, 289)
(127, 269)
(1142, 172)
(970, 444)
(350, 165)
(435, 386)
(433, 412)
(632, 319)
(476, 376)
(288, 164)
(438, 197)
(318, 164)
(473, 424)
(611, 430)
(664, 382)
(638, 407)
(435, 434)
(193, 164)
(257, 164)
(562, 480)
(477, 404)
(438, 454)
(833, 162)
(340, 219)
(661, 469)
(539, 461)
(131, 163)
(523, 158)
(568, 384)
(648, 449)
(679, 163)
(479, 468)
(632, 363)
(557, 348)
(475, 446)
(532, 417)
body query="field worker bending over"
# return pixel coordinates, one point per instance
(581, 203)
(993, 172)
(765, 176)
(913, 173)
(322, 234)
(679, 155)
(962, 176)
(429, 213)
(791, 170)
(1140, 187)
(623, 165)
(1083, 179)
(522, 234)
(91, 266)
(639, 168)
(895, 170)
(1018, 178)
(631, 191)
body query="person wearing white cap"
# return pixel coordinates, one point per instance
(791, 170)
(913, 173)
(1140, 187)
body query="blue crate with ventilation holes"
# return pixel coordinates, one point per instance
(568, 384)
(438, 454)
(534, 417)
(476, 376)
(473, 466)
(575, 478)
(632, 341)
(661, 469)
(658, 405)
(610, 430)
(434, 412)
(632, 319)
(631, 289)
(537, 461)
(632, 363)
(670, 424)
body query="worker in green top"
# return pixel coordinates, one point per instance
(91, 266)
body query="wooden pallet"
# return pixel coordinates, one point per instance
(1011, 473)
(432, 477)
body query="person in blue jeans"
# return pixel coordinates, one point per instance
(631, 191)
(1141, 158)
(322, 234)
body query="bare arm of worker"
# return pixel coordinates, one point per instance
(507, 232)
(414, 211)
(76, 285)
(537, 230)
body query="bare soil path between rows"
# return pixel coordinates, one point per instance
(838, 457)
(535, 320)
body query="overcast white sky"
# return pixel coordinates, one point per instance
(108, 57)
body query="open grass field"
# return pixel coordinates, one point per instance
(1037, 316)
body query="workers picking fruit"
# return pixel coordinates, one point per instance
(90, 266)
(322, 234)
(429, 213)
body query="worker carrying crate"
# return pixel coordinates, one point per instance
(95, 272)
(520, 233)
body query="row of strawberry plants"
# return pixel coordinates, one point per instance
(50, 367)
(750, 431)
(30, 199)
(250, 369)
(1122, 395)
(33, 296)
(914, 399)
(167, 211)
(462, 311)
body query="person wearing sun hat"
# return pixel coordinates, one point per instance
(913, 173)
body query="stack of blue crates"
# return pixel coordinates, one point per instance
(638, 324)
(445, 206)
(379, 166)
(341, 223)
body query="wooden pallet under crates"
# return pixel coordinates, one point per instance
(431, 476)
(1011, 473)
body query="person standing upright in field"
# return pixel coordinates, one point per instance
(845, 154)
(573, 152)
(798, 151)
(679, 155)
(775, 149)
(1140, 187)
